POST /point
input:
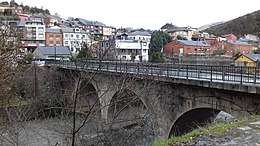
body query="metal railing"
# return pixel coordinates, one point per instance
(225, 74)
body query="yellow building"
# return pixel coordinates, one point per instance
(249, 60)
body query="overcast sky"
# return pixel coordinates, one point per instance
(149, 14)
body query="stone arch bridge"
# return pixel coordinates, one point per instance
(172, 106)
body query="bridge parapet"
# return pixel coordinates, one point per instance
(242, 79)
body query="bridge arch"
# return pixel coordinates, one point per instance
(191, 120)
(202, 110)
(126, 108)
(88, 99)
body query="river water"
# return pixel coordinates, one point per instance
(57, 132)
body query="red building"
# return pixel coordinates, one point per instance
(185, 47)
(53, 37)
(231, 48)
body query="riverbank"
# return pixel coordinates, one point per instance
(239, 132)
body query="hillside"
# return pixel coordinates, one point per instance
(26, 8)
(247, 24)
(202, 28)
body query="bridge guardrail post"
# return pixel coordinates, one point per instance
(211, 73)
(254, 75)
(107, 66)
(187, 71)
(178, 70)
(198, 71)
(167, 70)
(223, 73)
(151, 69)
(241, 75)
(116, 66)
(137, 69)
(120, 66)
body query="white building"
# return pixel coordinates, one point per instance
(140, 35)
(74, 38)
(129, 49)
(32, 33)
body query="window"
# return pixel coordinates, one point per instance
(51, 42)
(66, 35)
(66, 43)
(83, 36)
(58, 40)
(77, 36)
(41, 36)
(40, 29)
(71, 35)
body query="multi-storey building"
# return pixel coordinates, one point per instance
(74, 38)
(53, 37)
(108, 32)
(31, 33)
(127, 49)
(94, 28)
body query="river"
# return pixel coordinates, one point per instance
(56, 132)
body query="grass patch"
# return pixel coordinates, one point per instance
(217, 130)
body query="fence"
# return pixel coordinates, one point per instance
(198, 72)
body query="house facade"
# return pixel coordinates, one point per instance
(74, 38)
(249, 60)
(31, 33)
(231, 48)
(186, 47)
(131, 50)
(108, 32)
(185, 32)
(53, 37)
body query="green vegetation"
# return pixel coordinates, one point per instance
(3, 18)
(248, 24)
(156, 57)
(28, 58)
(218, 130)
(158, 40)
(27, 9)
(84, 53)
(181, 38)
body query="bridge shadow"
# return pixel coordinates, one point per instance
(193, 119)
